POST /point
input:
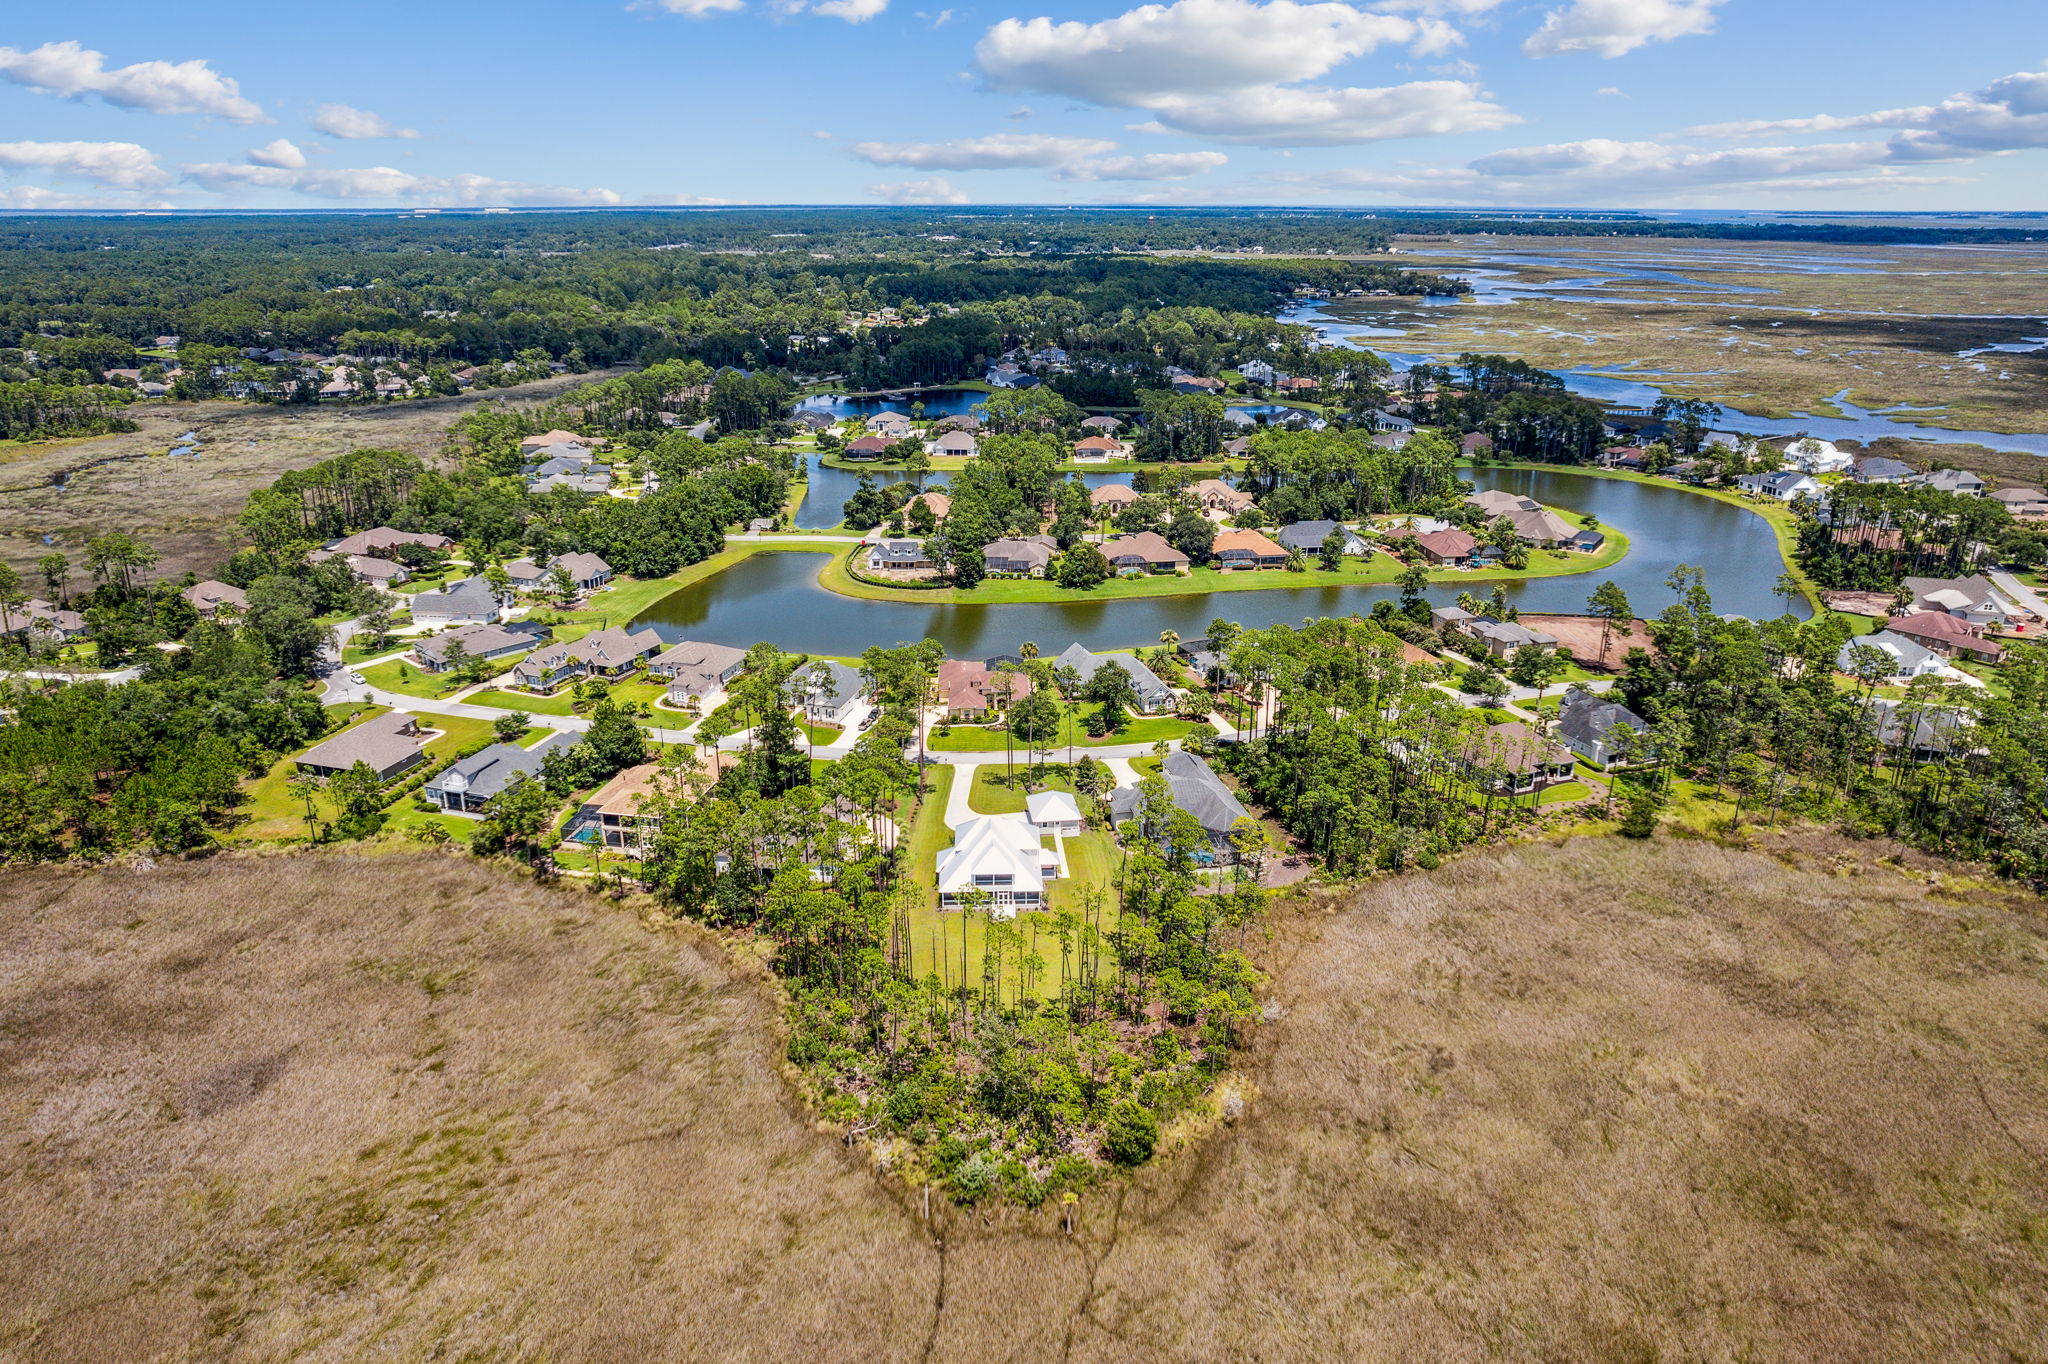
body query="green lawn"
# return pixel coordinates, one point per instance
(992, 796)
(557, 704)
(819, 736)
(1141, 730)
(273, 812)
(409, 679)
(1564, 791)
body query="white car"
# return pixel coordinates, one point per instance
(357, 678)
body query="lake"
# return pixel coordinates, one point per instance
(776, 598)
(826, 492)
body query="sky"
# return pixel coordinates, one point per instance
(1816, 105)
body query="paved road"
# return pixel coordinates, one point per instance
(2020, 592)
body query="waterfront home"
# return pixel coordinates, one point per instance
(894, 425)
(1587, 540)
(897, 556)
(1816, 456)
(939, 504)
(1145, 552)
(2026, 504)
(1054, 812)
(867, 447)
(1597, 730)
(1195, 788)
(616, 812)
(1308, 537)
(1099, 449)
(1782, 486)
(959, 421)
(1443, 618)
(1208, 662)
(1503, 637)
(467, 786)
(1540, 526)
(1976, 599)
(955, 445)
(1195, 383)
(829, 692)
(476, 641)
(468, 601)
(383, 539)
(696, 669)
(1215, 495)
(1001, 859)
(1960, 482)
(812, 419)
(1112, 497)
(1947, 635)
(1493, 502)
(1153, 694)
(1010, 376)
(1882, 469)
(1445, 548)
(40, 619)
(608, 654)
(972, 690)
(1026, 556)
(1907, 659)
(389, 744)
(1514, 759)
(1247, 549)
(587, 571)
(209, 597)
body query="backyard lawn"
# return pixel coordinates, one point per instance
(993, 796)
(532, 705)
(1141, 730)
(273, 812)
(407, 679)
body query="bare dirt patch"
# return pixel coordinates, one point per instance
(1597, 1101)
(73, 490)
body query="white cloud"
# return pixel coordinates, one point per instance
(852, 11)
(693, 9)
(36, 196)
(937, 190)
(354, 125)
(2010, 114)
(123, 164)
(1021, 112)
(283, 153)
(1438, 6)
(691, 201)
(190, 87)
(1230, 70)
(1611, 92)
(998, 151)
(1156, 166)
(1183, 48)
(1614, 28)
(1314, 116)
(390, 185)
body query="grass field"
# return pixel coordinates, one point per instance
(980, 739)
(1688, 1103)
(271, 809)
(994, 796)
(407, 678)
(558, 704)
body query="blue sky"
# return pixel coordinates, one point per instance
(1809, 104)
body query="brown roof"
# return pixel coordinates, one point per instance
(1949, 632)
(1517, 747)
(938, 502)
(383, 741)
(1249, 540)
(383, 538)
(1447, 544)
(1120, 493)
(1102, 443)
(1221, 491)
(620, 796)
(1147, 546)
(212, 595)
(866, 445)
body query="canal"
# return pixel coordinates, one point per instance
(775, 597)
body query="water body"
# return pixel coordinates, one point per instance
(952, 403)
(826, 492)
(776, 598)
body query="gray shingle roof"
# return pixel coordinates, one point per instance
(483, 775)
(1196, 789)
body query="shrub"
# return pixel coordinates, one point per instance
(1131, 1135)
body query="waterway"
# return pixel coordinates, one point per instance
(776, 598)
(827, 489)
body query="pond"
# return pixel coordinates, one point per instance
(827, 490)
(947, 403)
(776, 598)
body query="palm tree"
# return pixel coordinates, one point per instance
(1027, 651)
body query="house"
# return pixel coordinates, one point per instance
(1587, 540)
(526, 575)
(1247, 549)
(1215, 495)
(939, 504)
(1054, 356)
(1934, 728)
(832, 698)
(1393, 440)
(1300, 383)
(972, 690)
(467, 786)
(960, 421)
(1783, 486)
(1099, 449)
(616, 810)
(1195, 383)
(2024, 503)
(1880, 469)
(1237, 447)
(1112, 497)
(1195, 788)
(1596, 729)
(1009, 376)
(603, 653)
(1475, 442)
(1443, 618)
(1503, 637)
(867, 447)
(696, 669)
(594, 483)
(209, 597)
(893, 425)
(955, 445)
(1054, 812)
(42, 620)
(811, 419)
(377, 572)
(477, 641)
(1153, 694)
(1108, 426)
(1446, 547)
(1540, 527)
(1308, 537)
(383, 539)
(1816, 456)
(1908, 659)
(1258, 372)
(1145, 552)
(587, 571)
(1209, 663)
(1946, 635)
(528, 444)
(389, 744)
(898, 556)
(1026, 556)
(1000, 858)
(1960, 482)
(467, 602)
(1392, 421)
(1493, 502)
(1515, 759)
(1976, 599)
